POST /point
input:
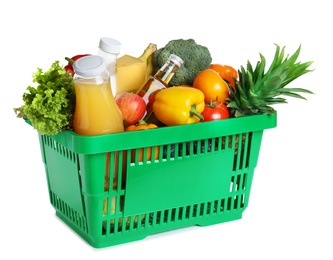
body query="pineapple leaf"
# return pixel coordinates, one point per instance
(293, 94)
(296, 90)
(256, 89)
(272, 101)
(278, 57)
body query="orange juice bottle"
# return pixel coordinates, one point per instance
(96, 111)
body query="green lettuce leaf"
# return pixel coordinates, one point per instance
(50, 105)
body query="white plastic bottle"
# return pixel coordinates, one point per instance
(109, 49)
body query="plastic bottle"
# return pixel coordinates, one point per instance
(109, 49)
(96, 111)
(160, 80)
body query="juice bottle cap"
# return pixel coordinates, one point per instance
(89, 66)
(177, 60)
(110, 45)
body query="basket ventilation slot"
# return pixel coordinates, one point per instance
(114, 220)
(69, 212)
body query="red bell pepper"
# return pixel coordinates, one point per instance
(69, 67)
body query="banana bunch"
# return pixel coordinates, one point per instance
(147, 57)
(133, 72)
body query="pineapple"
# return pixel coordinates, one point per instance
(256, 91)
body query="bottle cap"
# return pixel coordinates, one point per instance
(89, 66)
(109, 45)
(177, 60)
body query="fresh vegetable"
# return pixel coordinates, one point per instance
(142, 125)
(132, 107)
(226, 72)
(212, 85)
(151, 100)
(215, 111)
(179, 105)
(49, 106)
(150, 116)
(257, 90)
(196, 58)
(69, 66)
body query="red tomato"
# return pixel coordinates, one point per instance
(215, 111)
(151, 100)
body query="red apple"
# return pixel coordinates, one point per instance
(132, 107)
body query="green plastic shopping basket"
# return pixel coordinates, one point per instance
(117, 188)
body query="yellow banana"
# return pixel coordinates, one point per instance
(133, 72)
(147, 57)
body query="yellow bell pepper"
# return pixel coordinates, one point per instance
(179, 105)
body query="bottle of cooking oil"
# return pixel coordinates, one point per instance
(159, 81)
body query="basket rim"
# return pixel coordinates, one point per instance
(163, 135)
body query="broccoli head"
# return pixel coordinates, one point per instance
(196, 58)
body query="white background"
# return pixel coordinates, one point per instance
(290, 209)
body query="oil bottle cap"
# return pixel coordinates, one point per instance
(89, 66)
(177, 60)
(109, 45)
